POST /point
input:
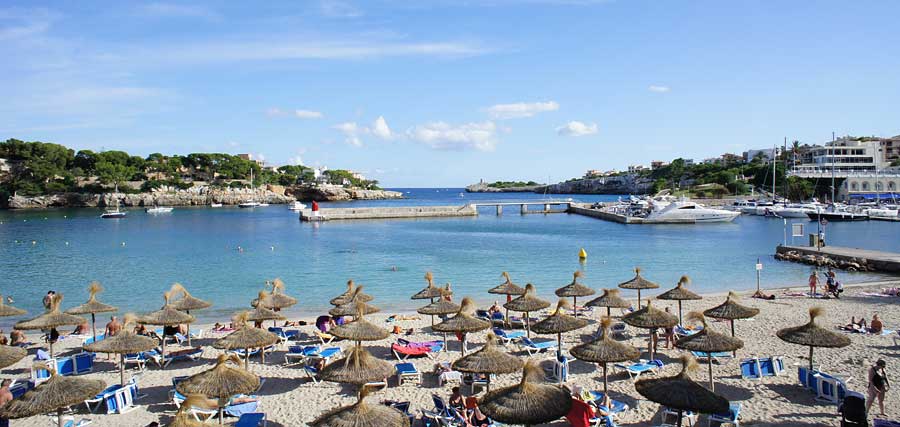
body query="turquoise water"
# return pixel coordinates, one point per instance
(137, 258)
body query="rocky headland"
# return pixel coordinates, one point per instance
(336, 193)
(620, 184)
(485, 188)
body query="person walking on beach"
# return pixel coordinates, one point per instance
(813, 282)
(48, 299)
(878, 385)
(5, 396)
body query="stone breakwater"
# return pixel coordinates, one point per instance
(621, 184)
(484, 188)
(852, 264)
(197, 196)
(336, 193)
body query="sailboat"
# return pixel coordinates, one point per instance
(250, 203)
(114, 213)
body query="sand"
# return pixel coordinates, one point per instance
(290, 399)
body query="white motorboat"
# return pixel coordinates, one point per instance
(215, 205)
(795, 210)
(296, 206)
(687, 212)
(249, 204)
(262, 205)
(159, 209)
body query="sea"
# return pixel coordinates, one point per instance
(226, 255)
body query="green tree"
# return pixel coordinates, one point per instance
(114, 173)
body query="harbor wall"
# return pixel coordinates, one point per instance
(331, 214)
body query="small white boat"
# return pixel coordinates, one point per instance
(158, 210)
(249, 204)
(215, 205)
(113, 213)
(296, 206)
(262, 205)
(687, 212)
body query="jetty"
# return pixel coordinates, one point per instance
(469, 209)
(887, 262)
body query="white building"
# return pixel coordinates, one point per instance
(319, 175)
(870, 186)
(844, 157)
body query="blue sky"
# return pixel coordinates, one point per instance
(442, 93)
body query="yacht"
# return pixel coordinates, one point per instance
(751, 207)
(114, 213)
(159, 209)
(249, 204)
(795, 210)
(686, 211)
(215, 205)
(296, 206)
(837, 213)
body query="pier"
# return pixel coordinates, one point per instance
(470, 209)
(887, 262)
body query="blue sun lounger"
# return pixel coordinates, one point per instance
(636, 369)
(508, 337)
(252, 419)
(714, 355)
(407, 371)
(535, 347)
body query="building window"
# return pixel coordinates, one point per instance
(865, 186)
(854, 186)
(892, 186)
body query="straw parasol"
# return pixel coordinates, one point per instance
(708, 341)
(53, 395)
(361, 414)
(463, 322)
(221, 381)
(679, 293)
(359, 367)
(559, 323)
(650, 318)
(247, 337)
(605, 350)
(490, 359)
(440, 307)
(276, 300)
(527, 303)
(125, 342)
(165, 316)
(527, 402)
(187, 303)
(638, 283)
(353, 305)
(507, 288)
(813, 335)
(609, 299)
(345, 297)
(8, 310)
(360, 329)
(681, 393)
(184, 418)
(731, 310)
(51, 319)
(9, 355)
(260, 313)
(92, 306)
(429, 292)
(575, 290)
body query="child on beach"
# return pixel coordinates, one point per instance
(813, 282)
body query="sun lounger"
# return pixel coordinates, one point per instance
(620, 330)
(139, 359)
(636, 369)
(771, 366)
(69, 421)
(252, 419)
(311, 372)
(830, 388)
(615, 408)
(284, 335)
(90, 340)
(402, 407)
(508, 337)
(327, 353)
(684, 332)
(18, 388)
(325, 337)
(118, 399)
(670, 417)
(186, 354)
(715, 355)
(406, 371)
(76, 364)
(560, 370)
(299, 353)
(403, 352)
(446, 374)
(732, 418)
(535, 347)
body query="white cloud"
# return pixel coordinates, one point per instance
(380, 129)
(308, 114)
(520, 109)
(339, 9)
(577, 128)
(658, 89)
(351, 132)
(467, 136)
(296, 160)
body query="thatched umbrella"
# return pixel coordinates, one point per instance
(559, 323)
(9, 355)
(527, 303)
(361, 414)
(221, 381)
(490, 359)
(527, 402)
(681, 393)
(638, 283)
(359, 367)
(439, 307)
(184, 418)
(125, 342)
(360, 329)
(8, 310)
(353, 305)
(186, 303)
(605, 350)
(260, 313)
(430, 293)
(92, 306)
(463, 322)
(247, 337)
(575, 290)
(679, 293)
(813, 335)
(609, 299)
(345, 297)
(650, 318)
(731, 310)
(51, 319)
(165, 316)
(53, 395)
(708, 341)
(507, 288)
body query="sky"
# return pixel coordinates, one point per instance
(443, 93)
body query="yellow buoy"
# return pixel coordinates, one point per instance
(582, 254)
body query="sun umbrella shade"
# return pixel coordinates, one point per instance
(438, 308)
(359, 367)
(124, 342)
(574, 289)
(352, 307)
(812, 334)
(184, 417)
(277, 299)
(52, 318)
(52, 395)
(731, 309)
(359, 330)
(361, 414)
(166, 316)
(8, 310)
(649, 317)
(246, 337)
(187, 302)
(682, 393)
(348, 294)
(92, 306)
(9, 355)
(463, 321)
(527, 302)
(260, 313)
(605, 349)
(507, 287)
(429, 291)
(527, 402)
(559, 322)
(610, 299)
(680, 292)
(221, 381)
(708, 341)
(638, 282)
(490, 359)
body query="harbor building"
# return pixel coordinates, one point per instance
(847, 156)
(869, 186)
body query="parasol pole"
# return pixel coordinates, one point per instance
(712, 387)
(162, 365)
(122, 369)
(734, 353)
(94, 326)
(639, 299)
(680, 321)
(527, 326)
(810, 358)
(188, 329)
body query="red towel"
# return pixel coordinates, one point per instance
(580, 415)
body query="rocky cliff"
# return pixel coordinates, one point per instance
(196, 196)
(623, 184)
(336, 193)
(484, 188)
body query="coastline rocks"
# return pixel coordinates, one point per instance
(622, 184)
(484, 188)
(195, 196)
(336, 193)
(852, 264)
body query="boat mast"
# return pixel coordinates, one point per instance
(832, 168)
(774, 198)
(784, 153)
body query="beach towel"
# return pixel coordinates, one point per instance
(580, 415)
(410, 351)
(875, 294)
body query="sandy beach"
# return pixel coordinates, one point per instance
(290, 399)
